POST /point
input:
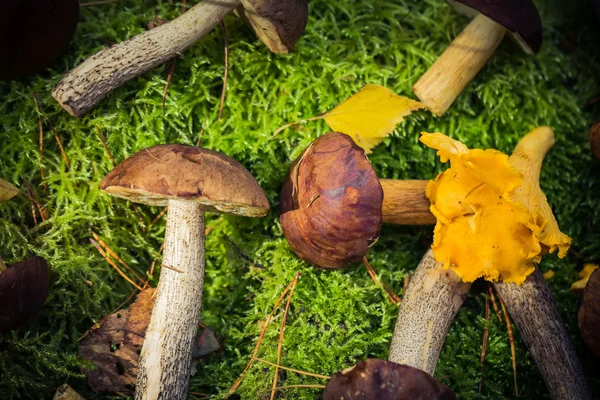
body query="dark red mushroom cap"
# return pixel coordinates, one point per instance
(589, 313)
(385, 380)
(23, 291)
(331, 203)
(34, 33)
(519, 17)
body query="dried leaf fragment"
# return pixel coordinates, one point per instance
(370, 115)
(66, 392)
(7, 190)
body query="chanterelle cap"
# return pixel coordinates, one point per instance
(519, 17)
(277, 23)
(385, 380)
(173, 171)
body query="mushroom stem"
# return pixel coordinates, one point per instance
(165, 361)
(433, 297)
(405, 203)
(84, 86)
(533, 310)
(458, 64)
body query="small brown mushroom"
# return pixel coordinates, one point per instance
(191, 181)
(278, 23)
(33, 34)
(23, 291)
(333, 204)
(469, 52)
(589, 313)
(384, 380)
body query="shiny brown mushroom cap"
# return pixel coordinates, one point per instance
(589, 313)
(277, 23)
(23, 291)
(331, 203)
(34, 33)
(173, 171)
(384, 380)
(520, 17)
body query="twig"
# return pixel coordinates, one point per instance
(112, 264)
(41, 127)
(391, 295)
(294, 370)
(491, 292)
(260, 338)
(115, 256)
(99, 323)
(281, 333)
(35, 201)
(112, 159)
(159, 216)
(200, 136)
(169, 78)
(226, 39)
(512, 344)
(485, 340)
(302, 121)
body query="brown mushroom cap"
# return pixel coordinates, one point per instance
(23, 291)
(589, 313)
(331, 203)
(384, 380)
(173, 171)
(277, 23)
(34, 33)
(519, 17)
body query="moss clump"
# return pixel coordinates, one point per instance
(336, 318)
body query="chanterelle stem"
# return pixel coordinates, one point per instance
(433, 297)
(165, 361)
(84, 86)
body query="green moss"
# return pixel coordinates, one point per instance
(336, 318)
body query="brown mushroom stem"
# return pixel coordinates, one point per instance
(533, 310)
(84, 86)
(459, 63)
(431, 301)
(165, 361)
(405, 203)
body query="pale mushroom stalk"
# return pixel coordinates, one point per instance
(190, 181)
(405, 203)
(431, 301)
(531, 305)
(277, 24)
(165, 361)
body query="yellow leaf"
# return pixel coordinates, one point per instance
(584, 275)
(7, 190)
(370, 115)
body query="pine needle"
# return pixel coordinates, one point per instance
(485, 340)
(496, 310)
(40, 115)
(281, 333)
(512, 344)
(112, 264)
(294, 370)
(114, 255)
(103, 140)
(394, 298)
(41, 128)
(302, 121)
(226, 39)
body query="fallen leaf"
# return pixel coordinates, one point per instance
(548, 274)
(66, 392)
(7, 190)
(370, 115)
(114, 347)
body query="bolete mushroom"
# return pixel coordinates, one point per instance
(384, 380)
(33, 34)
(470, 50)
(191, 181)
(278, 23)
(23, 291)
(589, 313)
(331, 219)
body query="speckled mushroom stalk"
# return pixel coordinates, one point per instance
(191, 181)
(531, 305)
(470, 51)
(278, 23)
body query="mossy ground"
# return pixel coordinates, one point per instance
(336, 317)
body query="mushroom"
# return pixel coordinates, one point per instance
(384, 380)
(23, 291)
(589, 314)
(331, 219)
(278, 23)
(33, 34)
(191, 181)
(594, 138)
(470, 50)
